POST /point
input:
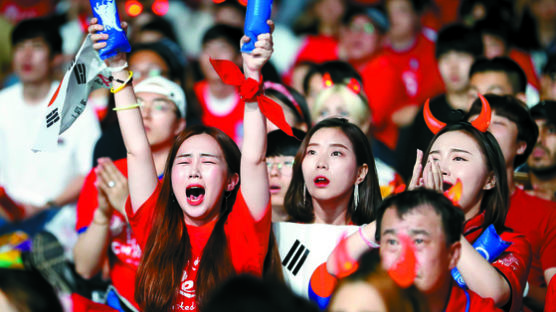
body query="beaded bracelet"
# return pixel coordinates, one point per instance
(132, 106)
(119, 88)
(367, 241)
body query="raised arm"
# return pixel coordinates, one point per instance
(254, 179)
(142, 178)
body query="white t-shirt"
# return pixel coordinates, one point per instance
(33, 177)
(36, 178)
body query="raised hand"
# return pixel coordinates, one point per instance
(430, 177)
(416, 178)
(99, 42)
(253, 62)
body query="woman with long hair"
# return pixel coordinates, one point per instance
(192, 229)
(467, 153)
(334, 179)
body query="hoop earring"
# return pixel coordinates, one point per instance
(355, 197)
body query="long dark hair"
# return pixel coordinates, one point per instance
(496, 200)
(168, 250)
(301, 210)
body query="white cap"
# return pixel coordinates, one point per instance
(163, 86)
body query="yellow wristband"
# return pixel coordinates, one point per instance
(132, 106)
(118, 89)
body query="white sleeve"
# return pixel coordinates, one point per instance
(86, 132)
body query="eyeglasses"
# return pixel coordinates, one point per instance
(146, 73)
(284, 167)
(367, 28)
(157, 106)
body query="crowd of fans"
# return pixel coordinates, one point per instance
(383, 141)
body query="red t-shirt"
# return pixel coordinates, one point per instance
(550, 303)
(418, 69)
(318, 49)
(125, 253)
(466, 300)
(247, 241)
(513, 263)
(400, 79)
(230, 120)
(386, 94)
(536, 219)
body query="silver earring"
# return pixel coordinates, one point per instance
(355, 197)
(304, 196)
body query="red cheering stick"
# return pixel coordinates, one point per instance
(15, 211)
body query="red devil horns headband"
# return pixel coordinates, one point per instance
(352, 84)
(481, 123)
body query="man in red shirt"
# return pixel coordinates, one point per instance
(516, 133)
(434, 226)
(542, 161)
(404, 74)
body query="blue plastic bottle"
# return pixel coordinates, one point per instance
(258, 12)
(107, 14)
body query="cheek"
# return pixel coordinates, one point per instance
(285, 182)
(215, 175)
(178, 179)
(306, 167)
(464, 66)
(348, 165)
(40, 57)
(551, 144)
(387, 257)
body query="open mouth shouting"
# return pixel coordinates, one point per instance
(195, 194)
(321, 181)
(275, 188)
(446, 186)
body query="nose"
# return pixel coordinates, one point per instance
(145, 110)
(443, 167)
(195, 172)
(322, 162)
(273, 170)
(540, 138)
